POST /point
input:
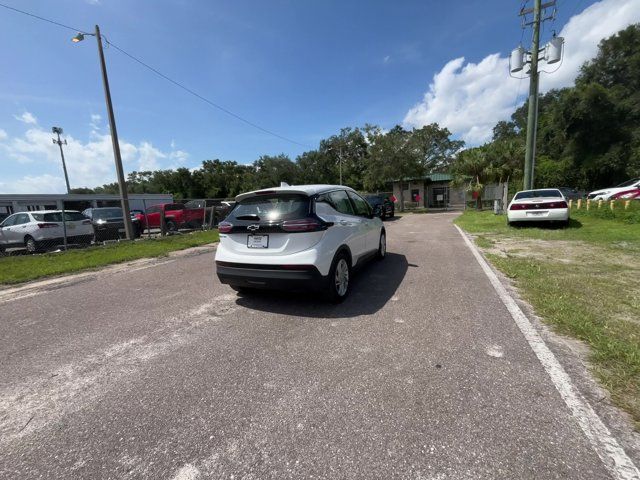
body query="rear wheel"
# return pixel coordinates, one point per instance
(172, 226)
(339, 279)
(31, 245)
(383, 214)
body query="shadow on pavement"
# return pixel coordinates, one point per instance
(372, 287)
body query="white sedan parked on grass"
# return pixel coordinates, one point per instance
(543, 205)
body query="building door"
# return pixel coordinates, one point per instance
(439, 197)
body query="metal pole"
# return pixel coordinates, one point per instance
(64, 165)
(532, 117)
(340, 160)
(122, 184)
(64, 226)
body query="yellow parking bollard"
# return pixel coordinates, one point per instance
(612, 204)
(599, 204)
(626, 204)
(579, 203)
(570, 204)
(588, 204)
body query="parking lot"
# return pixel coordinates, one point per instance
(159, 371)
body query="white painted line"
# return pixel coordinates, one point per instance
(606, 446)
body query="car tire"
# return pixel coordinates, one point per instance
(383, 214)
(31, 245)
(393, 213)
(382, 246)
(339, 279)
(171, 226)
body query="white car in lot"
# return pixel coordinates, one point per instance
(44, 229)
(298, 237)
(542, 205)
(607, 193)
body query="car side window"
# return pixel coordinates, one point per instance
(360, 205)
(340, 202)
(21, 219)
(9, 221)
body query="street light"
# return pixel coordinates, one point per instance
(58, 132)
(124, 197)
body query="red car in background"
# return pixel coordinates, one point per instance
(176, 216)
(633, 194)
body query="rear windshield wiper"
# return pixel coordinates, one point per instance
(250, 216)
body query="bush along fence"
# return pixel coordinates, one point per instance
(627, 211)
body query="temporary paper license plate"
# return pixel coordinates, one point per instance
(257, 241)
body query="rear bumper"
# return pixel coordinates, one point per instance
(552, 215)
(270, 277)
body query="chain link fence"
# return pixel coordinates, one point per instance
(29, 232)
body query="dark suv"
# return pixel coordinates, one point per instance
(108, 223)
(381, 205)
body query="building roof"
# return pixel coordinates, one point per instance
(434, 177)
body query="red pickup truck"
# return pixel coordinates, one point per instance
(176, 216)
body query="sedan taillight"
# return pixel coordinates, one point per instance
(47, 225)
(225, 227)
(537, 206)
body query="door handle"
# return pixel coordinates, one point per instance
(344, 222)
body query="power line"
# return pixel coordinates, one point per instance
(204, 99)
(162, 75)
(41, 18)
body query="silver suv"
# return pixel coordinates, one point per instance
(42, 230)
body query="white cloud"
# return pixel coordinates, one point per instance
(27, 118)
(34, 184)
(89, 163)
(470, 98)
(386, 59)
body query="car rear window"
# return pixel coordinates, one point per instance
(174, 206)
(107, 213)
(552, 192)
(57, 217)
(271, 208)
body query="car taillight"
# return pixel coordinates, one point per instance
(47, 225)
(555, 205)
(225, 227)
(537, 206)
(303, 225)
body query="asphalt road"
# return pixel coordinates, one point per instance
(161, 372)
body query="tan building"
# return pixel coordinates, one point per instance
(431, 191)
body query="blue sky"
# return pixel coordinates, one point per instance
(300, 68)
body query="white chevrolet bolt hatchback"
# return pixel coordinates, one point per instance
(298, 237)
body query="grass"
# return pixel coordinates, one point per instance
(16, 269)
(582, 280)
